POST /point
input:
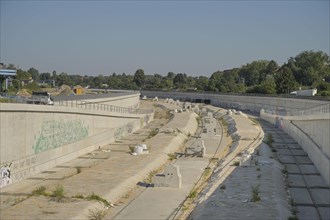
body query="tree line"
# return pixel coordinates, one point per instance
(309, 69)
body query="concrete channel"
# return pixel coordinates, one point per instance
(310, 195)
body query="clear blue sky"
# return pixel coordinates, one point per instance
(193, 37)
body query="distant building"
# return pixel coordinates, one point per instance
(6, 73)
(48, 82)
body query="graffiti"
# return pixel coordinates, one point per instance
(123, 131)
(5, 178)
(23, 164)
(54, 134)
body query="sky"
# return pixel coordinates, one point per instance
(192, 37)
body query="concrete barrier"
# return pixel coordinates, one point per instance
(35, 138)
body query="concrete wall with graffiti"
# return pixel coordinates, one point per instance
(35, 138)
(312, 133)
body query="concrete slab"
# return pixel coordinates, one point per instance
(292, 168)
(298, 152)
(289, 141)
(284, 152)
(286, 159)
(321, 196)
(293, 146)
(324, 212)
(301, 196)
(296, 180)
(279, 146)
(277, 140)
(308, 169)
(160, 203)
(307, 213)
(303, 160)
(315, 181)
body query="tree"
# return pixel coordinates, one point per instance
(284, 80)
(309, 66)
(44, 76)
(23, 75)
(34, 73)
(139, 78)
(180, 80)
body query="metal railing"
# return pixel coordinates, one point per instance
(79, 104)
(321, 109)
(101, 107)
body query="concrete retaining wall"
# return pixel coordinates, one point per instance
(35, 138)
(128, 101)
(311, 133)
(251, 103)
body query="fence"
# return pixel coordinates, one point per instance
(322, 109)
(78, 104)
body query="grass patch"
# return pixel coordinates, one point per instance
(5, 100)
(236, 163)
(207, 171)
(171, 157)
(41, 190)
(96, 214)
(78, 196)
(214, 160)
(255, 194)
(99, 199)
(192, 194)
(270, 139)
(150, 175)
(58, 193)
(153, 132)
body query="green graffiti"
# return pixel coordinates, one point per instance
(123, 131)
(56, 133)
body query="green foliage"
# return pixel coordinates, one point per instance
(307, 69)
(171, 157)
(236, 163)
(153, 132)
(255, 194)
(58, 192)
(41, 190)
(192, 194)
(139, 78)
(32, 87)
(99, 199)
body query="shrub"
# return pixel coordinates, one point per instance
(39, 191)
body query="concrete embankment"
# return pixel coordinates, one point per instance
(35, 138)
(248, 178)
(311, 132)
(111, 178)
